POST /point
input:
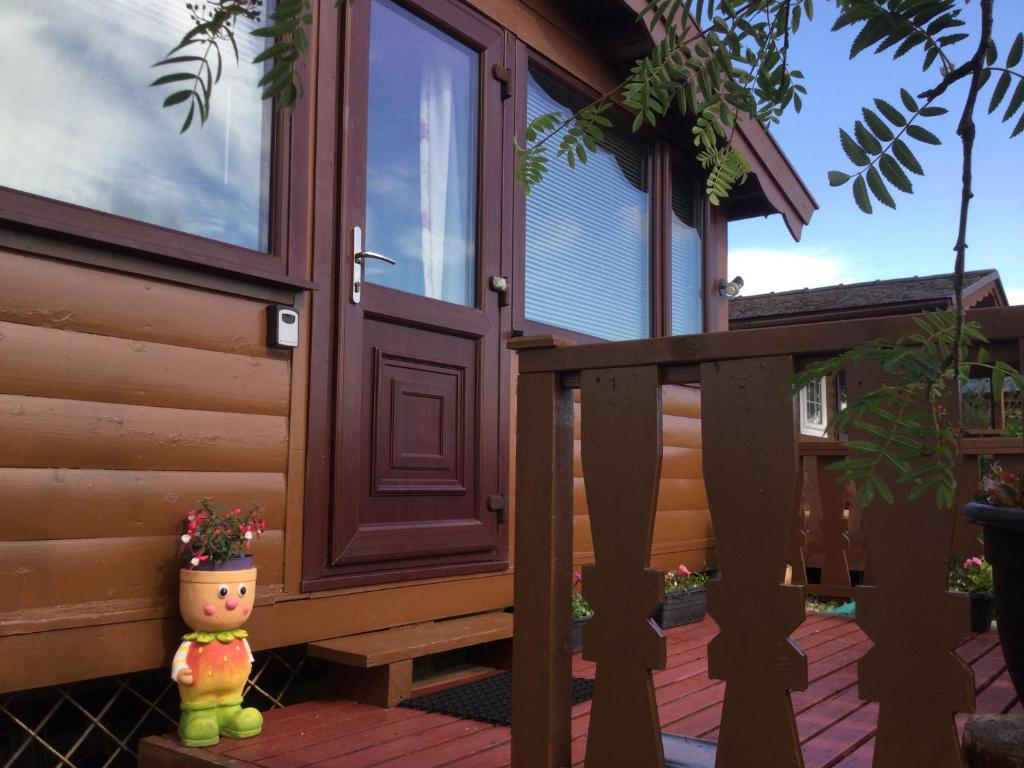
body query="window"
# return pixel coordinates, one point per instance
(81, 124)
(588, 240)
(813, 409)
(687, 256)
(613, 247)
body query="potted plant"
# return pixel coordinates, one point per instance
(581, 613)
(999, 509)
(685, 598)
(217, 590)
(974, 576)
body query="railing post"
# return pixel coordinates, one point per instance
(914, 622)
(751, 468)
(621, 445)
(542, 671)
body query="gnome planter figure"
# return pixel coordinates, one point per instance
(217, 590)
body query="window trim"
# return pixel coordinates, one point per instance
(82, 234)
(665, 155)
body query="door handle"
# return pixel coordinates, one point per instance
(359, 257)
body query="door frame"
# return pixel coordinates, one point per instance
(339, 56)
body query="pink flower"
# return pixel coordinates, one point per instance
(683, 570)
(577, 577)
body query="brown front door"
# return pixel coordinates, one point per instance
(417, 439)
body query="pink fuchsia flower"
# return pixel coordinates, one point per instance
(975, 562)
(683, 570)
(577, 577)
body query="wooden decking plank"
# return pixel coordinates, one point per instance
(841, 738)
(499, 756)
(367, 718)
(283, 720)
(404, 746)
(470, 745)
(373, 649)
(344, 743)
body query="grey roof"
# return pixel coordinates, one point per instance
(937, 289)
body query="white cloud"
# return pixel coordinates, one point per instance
(764, 271)
(1015, 295)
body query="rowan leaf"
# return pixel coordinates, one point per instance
(860, 195)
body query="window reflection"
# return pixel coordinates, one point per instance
(588, 257)
(421, 157)
(687, 262)
(80, 123)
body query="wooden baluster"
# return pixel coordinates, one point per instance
(621, 446)
(542, 670)
(829, 542)
(915, 624)
(751, 470)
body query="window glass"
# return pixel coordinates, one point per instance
(588, 253)
(813, 417)
(421, 157)
(80, 123)
(687, 261)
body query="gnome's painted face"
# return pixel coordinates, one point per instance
(216, 601)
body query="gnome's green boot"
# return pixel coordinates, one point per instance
(198, 725)
(238, 723)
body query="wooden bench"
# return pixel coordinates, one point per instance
(376, 667)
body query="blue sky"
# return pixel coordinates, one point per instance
(844, 245)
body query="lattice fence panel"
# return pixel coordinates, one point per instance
(98, 723)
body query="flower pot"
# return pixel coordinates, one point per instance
(1004, 548)
(576, 637)
(982, 611)
(682, 606)
(213, 662)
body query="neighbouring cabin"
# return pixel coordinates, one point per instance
(137, 267)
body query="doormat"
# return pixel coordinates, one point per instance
(488, 700)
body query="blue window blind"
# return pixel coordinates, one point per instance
(687, 271)
(588, 250)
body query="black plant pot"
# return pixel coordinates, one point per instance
(576, 638)
(682, 606)
(982, 611)
(1004, 549)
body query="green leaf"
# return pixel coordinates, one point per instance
(922, 134)
(892, 171)
(837, 178)
(177, 98)
(1002, 85)
(866, 139)
(877, 125)
(1016, 50)
(906, 157)
(175, 78)
(860, 195)
(852, 149)
(879, 189)
(908, 100)
(892, 114)
(932, 111)
(1015, 101)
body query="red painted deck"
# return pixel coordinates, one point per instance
(836, 727)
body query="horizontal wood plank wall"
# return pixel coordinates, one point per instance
(682, 528)
(122, 400)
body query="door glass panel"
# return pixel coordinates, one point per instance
(421, 157)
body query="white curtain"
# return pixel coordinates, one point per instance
(436, 138)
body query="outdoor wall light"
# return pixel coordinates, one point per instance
(731, 289)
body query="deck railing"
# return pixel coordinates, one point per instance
(752, 472)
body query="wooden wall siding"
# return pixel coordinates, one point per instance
(122, 400)
(53, 294)
(682, 528)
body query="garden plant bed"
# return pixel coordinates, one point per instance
(682, 606)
